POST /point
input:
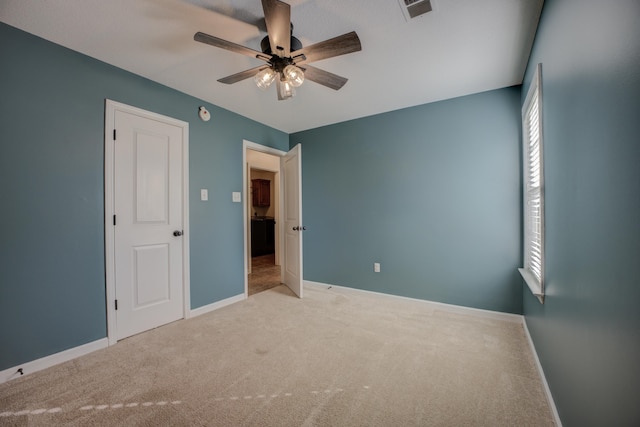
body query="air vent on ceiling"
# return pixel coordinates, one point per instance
(414, 8)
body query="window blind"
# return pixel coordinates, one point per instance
(533, 209)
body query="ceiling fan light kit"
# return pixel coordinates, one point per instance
(285, 56)
(264, 78)
(294, 75)
(286, 90)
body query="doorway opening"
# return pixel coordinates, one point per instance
(263, 195)
(263, 207)
(283, 171)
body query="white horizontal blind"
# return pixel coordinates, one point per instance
(533, 186)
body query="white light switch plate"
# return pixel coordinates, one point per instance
(204, 194)
(236, 196)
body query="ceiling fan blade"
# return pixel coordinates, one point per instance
(323, 77)
(242, 75)
(233, 47)
(277, 16)
(341, 45)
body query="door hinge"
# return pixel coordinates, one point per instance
(114, 220)
(114, 134)
(116, 304)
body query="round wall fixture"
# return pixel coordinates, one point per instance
(204, 114)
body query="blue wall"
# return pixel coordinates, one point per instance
(587, 333)
(52, 275)
(431, 192)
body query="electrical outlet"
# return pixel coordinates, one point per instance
(376, 267)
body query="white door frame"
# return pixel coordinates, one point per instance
(248, 145)
(109, 229)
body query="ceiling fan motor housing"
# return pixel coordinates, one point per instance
(266, 46)
(279, 63)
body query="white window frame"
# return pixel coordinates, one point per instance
(533, 187)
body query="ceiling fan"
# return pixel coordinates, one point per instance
(286, 60)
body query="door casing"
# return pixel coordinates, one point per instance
(110, 108)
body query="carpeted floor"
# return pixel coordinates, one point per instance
(336, 357)
(264, 274)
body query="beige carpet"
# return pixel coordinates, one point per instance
(336, 358)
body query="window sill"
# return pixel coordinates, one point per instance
(533, 284)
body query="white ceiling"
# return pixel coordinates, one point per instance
(462, 47)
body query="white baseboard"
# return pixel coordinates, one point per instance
(51, 360)
(547, 390)
(497, 315)
(72, 353)
(216, 305)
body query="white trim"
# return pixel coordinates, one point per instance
(186, 241)
(490, 314)
(248, 145)
(109, 240)
(547, 390)
(262, 148)
(533, 284)
(52, 360)
(216, 305)
(109, 120)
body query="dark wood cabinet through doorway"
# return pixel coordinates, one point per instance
(262, 236)
(261, 192)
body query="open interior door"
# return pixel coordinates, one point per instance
(291, 166)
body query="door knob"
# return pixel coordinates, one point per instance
(296, 228)
(177, 233)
